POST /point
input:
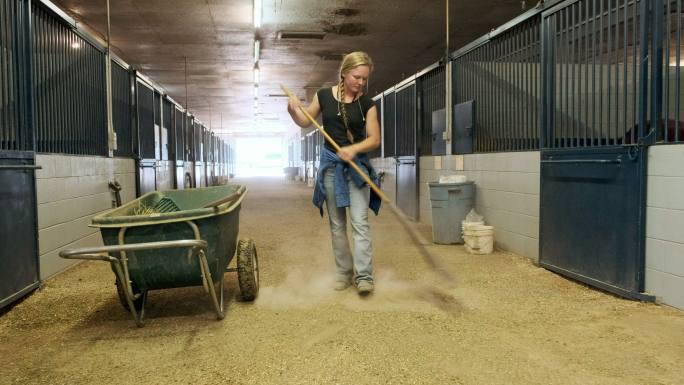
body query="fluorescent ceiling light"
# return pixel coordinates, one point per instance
(257, 13)
(256, 76)
(256, 91)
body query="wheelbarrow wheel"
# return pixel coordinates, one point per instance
(138, 302)
(248, 269)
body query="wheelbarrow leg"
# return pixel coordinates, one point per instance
(138, 318)
(209, 281)
(139, 321)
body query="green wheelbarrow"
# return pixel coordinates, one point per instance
(177, 238)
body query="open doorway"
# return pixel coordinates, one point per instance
(259, 157)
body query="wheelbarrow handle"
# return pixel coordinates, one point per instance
(101, 253)
(96, 253)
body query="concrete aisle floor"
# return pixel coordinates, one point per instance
(501, 321)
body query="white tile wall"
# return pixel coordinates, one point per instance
(666, 160)
(389, 182)
(665, 224)
(70, 190)
(507, 194)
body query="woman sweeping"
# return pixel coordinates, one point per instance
(351, 119)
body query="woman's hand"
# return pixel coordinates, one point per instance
(297, 110)
(293, 103)
(347, 153)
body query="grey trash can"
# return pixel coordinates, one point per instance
(450, 203)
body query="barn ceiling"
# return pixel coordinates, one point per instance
(202, 51)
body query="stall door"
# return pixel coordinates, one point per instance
(593, 185)
(591, 218)
(19, 269)
(148, 138)
(19, 273)
(406, 150)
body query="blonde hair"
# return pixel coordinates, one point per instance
(353, 60)
(349, 62)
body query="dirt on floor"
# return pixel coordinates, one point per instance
(501, 320)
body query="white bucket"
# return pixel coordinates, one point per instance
(465, 225)
(478, 239)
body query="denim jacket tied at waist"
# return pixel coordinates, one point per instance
(342, 172)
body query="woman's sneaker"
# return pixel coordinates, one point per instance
(364, 287)
(341, 285)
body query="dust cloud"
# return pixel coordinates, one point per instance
(310, 289)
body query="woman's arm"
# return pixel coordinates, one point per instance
(372, 140)
(297, 115)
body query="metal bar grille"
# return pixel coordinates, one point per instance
(206, 149)
(156, 103)
(312, 146)
(671, 126)
(318, 142)
(9, 96)
(121, 110)
(406, 121)
(157, 108)
(210, 146)
(69, 84)
(145, 113)
(432, 98)
(218, 148)
(179, 135)
(189, 138)
(592, 53)
(213, 153)
(199, 144)
(389, 122)
(219, 154)
(166, 130)
(502, 76)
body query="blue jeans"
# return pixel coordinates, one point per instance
(361, 262)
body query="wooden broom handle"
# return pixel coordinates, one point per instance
(337, 148)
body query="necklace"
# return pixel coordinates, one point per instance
(358, 102)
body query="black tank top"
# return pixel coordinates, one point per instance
(332, 117)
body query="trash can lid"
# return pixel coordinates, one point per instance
(436, 184)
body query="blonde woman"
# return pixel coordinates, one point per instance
(351, 119)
